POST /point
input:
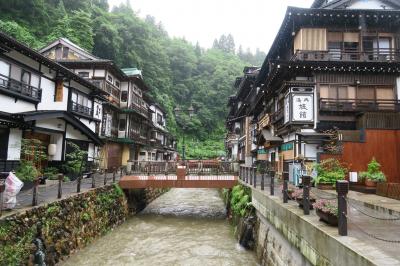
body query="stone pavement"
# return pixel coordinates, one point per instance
(372, 220)
(48, 193)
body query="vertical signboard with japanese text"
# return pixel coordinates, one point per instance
(286, 111)
(302, 107)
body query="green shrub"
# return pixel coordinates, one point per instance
(51, 173)
(374, 172)
(86, 217)
(27, 171)
(76, 159)
(241, 200)
(329, 171)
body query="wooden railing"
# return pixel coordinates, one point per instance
(278, 115)
(264, 121)
(209, 167)
(357, 105)
(18, 88)
(373, 55)
(139, 109)
(201, 167)
(81, 109)
(152, 167)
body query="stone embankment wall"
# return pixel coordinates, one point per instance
(287, 237)
(281, 234)
(66, 225)
(274, 249)
(138, 199)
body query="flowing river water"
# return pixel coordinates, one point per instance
(182, 227)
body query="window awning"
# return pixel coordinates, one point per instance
(13, 121)
(269, 137)
(67, 117)
(313, 137)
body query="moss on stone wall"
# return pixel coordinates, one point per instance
(64, 225)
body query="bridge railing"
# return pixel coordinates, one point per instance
(200, 167)
(152, 167)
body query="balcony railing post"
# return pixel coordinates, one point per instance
(342, 188)
(35, 192)
(262, 180)
(272, 184)
(60, 180)
(306, 194)
(114, 173)
(251, 175)
(255, 176)
(2, 188)
(105, 177)
(78, 184)
(92, 176)
(285, 187)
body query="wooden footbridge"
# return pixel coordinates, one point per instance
(189, 174)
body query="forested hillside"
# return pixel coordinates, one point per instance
(179, 73)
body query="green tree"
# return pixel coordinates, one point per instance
(178, 72)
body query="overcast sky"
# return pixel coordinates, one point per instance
(253, 23)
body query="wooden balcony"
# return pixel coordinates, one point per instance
(81, 109)
(265, 121)
(135, 136)
(135, 108)
(278, 115)
(357, 105)
(140, 109)
(15, 88)
(374, 55)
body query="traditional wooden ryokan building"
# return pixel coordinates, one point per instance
(126, 117)
(330, 87)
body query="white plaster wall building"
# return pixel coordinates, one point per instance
(43, 100)
(126, 123)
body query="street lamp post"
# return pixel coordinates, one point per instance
(191, 112)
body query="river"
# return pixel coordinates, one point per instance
(182, 227)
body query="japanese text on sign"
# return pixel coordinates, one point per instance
(303, 107)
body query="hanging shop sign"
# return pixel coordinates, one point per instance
(299, 105)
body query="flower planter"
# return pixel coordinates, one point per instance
(370, 183)
(327, 217)
(325, 186)
(300, 202)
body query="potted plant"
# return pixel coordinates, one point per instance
(327, 210)
(33, 153)
(373, 175)
(76, 160)
(27, 173)
(328, 172)
(298, 196)
(50, 173)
